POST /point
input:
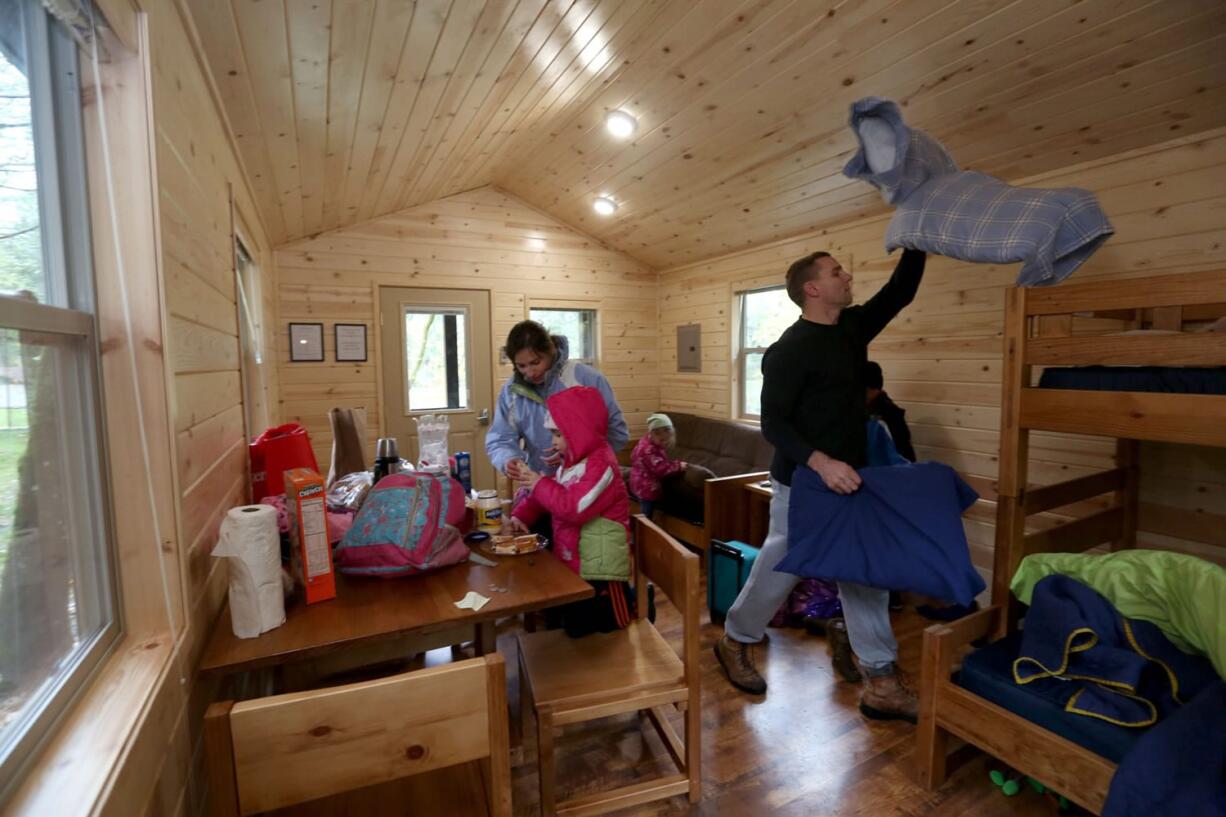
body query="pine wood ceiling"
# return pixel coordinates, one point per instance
(345, 110)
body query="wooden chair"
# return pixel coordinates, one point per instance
(274, 752)
(566, 680)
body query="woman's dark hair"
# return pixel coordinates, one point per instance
(528, 335)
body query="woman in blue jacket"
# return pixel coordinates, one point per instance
(517, 441)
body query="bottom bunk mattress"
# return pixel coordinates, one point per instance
(988, 672)
(1172, 379)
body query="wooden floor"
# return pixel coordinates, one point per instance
(803, 749)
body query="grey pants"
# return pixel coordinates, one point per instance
(865, 609)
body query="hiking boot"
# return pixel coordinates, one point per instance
(838, 647)
(737, 660)
(888, 696)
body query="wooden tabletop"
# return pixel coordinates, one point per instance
(367, 610)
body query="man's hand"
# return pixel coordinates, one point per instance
(838, 475)
(515, 470)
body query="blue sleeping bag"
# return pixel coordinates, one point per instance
(1120, 670)
(902, 530)
(1179, 766)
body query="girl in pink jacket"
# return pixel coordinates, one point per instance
(589, 507)
(650, 463)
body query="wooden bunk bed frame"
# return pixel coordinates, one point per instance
(1038, 332)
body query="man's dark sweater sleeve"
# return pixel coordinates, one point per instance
(780, 396)
(890, 299)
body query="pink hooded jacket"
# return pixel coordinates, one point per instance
(649, 464)
(587, 487)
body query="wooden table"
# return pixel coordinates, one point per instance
(368, 612)
(759, 511)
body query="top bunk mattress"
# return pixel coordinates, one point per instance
(1176, 379)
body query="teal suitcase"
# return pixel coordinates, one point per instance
(728, 566)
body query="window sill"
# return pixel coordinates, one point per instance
(77, 771)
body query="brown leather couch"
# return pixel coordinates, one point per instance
(733, 452)
(724, 447)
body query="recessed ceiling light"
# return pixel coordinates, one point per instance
(605, 206)
(621, 124)
(536, 244)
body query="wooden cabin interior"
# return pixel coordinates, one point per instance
(229, 179)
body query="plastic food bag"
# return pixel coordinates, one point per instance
(432, 430)
(349, 492)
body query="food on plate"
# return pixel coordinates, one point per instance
(524, 543)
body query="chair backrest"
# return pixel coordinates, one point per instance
(289, 749)
(674, 569)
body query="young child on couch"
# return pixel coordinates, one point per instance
(650, 463)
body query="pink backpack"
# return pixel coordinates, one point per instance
(409, 523)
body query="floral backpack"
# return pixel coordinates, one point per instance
(409, 523)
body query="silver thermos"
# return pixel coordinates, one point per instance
(387, 458)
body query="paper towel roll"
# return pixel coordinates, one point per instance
(250, 541)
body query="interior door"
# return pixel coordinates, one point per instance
(435, 349)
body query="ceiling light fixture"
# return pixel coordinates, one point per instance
(605, 206)
(621, 124)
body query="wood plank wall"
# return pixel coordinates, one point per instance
(198, 174)
(480, 239)
(941, 357)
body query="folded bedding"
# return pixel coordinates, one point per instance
(967, 215)
(1117, 669)
(1179, 766)
(1182, 595)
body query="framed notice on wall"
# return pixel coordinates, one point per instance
(306, 342)
(350, 342)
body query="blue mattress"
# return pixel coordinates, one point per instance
(988, 672)
(1180, 379)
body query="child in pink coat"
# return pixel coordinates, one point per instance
(650, 463)
(589, 507)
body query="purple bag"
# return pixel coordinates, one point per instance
(811, 598)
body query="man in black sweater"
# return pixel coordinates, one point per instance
(814, 413)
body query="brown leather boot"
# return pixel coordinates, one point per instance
(838, 647)
(888, 697)
(737, 660)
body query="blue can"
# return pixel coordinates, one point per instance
(464, 470)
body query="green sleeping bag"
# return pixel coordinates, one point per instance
(1182, 595)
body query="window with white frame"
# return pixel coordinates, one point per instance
(58, 600)
(578, 326)
(765, 314)
(251, 339)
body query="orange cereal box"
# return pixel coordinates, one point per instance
(305, 500)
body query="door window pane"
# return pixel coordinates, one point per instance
(578, 326)
(436, 359)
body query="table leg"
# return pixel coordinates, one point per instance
(486, 638)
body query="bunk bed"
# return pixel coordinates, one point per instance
(1042, 328)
